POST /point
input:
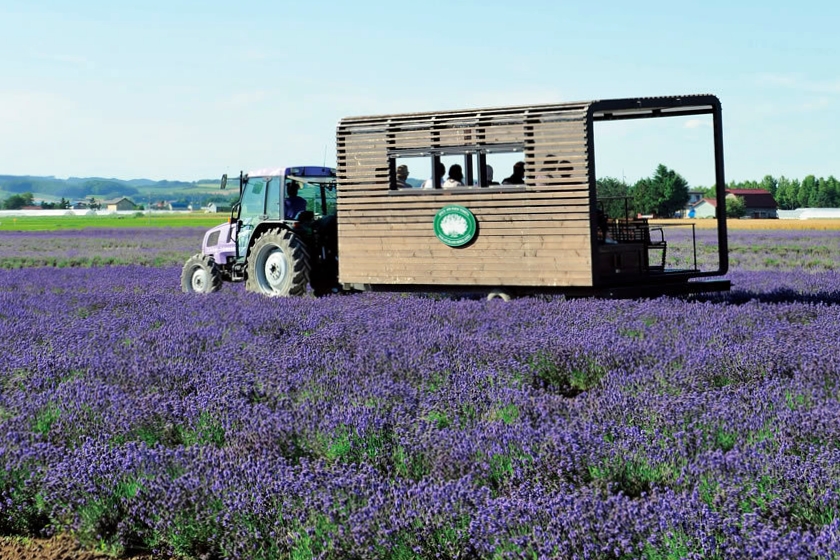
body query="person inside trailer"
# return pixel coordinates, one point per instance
(429, 183)
(488, 174)
(294, 204)
(402, 176)
(553, 169)
(518, 175)
(456, 177)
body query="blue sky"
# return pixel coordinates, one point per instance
(191, 89)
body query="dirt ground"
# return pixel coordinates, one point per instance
(62, 547)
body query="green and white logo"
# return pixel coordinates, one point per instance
(455, 225)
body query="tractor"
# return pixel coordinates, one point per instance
(281, 238)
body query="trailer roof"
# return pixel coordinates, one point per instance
(603, 109)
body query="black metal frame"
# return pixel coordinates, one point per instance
(658, 107)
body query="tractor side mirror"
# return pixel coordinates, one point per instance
(224, 181)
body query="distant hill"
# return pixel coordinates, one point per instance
(50, 188)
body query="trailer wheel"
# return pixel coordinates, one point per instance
(200, 275)
(278, 265)
(498, 294)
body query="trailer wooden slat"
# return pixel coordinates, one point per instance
(496, 245)
(573, 263)
(479, 278)
(554, 204)
(491, 214)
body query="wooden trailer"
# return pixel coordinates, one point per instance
(540, 235)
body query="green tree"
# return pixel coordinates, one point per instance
(825, 194)
(613, 194)
(769, 183)
(735, 207)
(806, 188)
(787, 193)
(832, 188)
(709, 192)
(18, 201)
(663, 194)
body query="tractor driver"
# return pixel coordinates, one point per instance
(294, 203)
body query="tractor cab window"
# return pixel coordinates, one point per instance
(318, 195)
(273, 199)
(253, 197)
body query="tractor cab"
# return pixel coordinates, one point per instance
(294, 196)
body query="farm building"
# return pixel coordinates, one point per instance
(694, 196)
(758, 203)
(704, 208)
(178, 207)
(215, 207)
(119, 204)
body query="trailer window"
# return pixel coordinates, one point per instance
(480, 166)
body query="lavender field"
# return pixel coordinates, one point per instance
(99, 247)
(141, 419)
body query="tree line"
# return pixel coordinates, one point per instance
(80, 188)
(791, 194)
(666, 192)
(23, 200)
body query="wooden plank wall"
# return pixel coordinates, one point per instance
(537, 236)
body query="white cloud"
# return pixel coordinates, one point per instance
(697, 123)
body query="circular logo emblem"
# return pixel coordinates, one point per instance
(454, 225)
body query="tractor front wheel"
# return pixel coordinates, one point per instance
(200, 275)
(278, 265)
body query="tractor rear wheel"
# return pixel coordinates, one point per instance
(200, 275)
(278, 265)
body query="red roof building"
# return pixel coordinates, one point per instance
(756, 200)
(759, 203)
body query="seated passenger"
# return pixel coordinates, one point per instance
(553, 169)
(402, 175)
(565, 169)
(294, 203)
(488, 175)
(429, 183)
(456, 177)
(518, 175)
